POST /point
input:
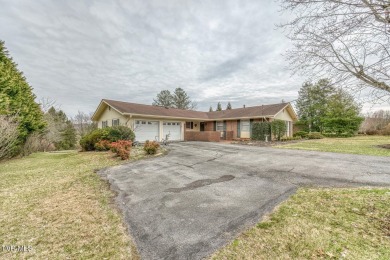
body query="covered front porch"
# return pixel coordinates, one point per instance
(214, 131)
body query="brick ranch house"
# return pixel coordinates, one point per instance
(155, 122)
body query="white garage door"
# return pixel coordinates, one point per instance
(146, 130)
(173, 129)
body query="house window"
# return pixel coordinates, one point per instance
(104, 124)
(220, 126)
(115, 122)
(190, 125)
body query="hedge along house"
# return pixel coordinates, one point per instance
(156, 122)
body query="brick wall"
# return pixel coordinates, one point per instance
(229, 135)
(205, 136)
(209, 126)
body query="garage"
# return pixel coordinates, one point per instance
(146, 130)
(173, 129)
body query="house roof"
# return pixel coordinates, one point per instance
(256, 111)
(127, 108)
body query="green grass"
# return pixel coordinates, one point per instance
(55, 203)
(366, 145)
(320, 224)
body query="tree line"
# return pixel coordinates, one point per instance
(28, 126)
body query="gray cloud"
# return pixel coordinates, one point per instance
(78, 52)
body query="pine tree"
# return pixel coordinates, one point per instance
(181, 100)
(219, 107)
(17, 98)
(229, 106)
(211, 109)
(60, 130)
(164, 98)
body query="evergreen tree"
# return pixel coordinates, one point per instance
(229, 106)
(342, 115)
(17, 99)
(181, 100)
(323, 108)
(60, 130)
(164, 98)
(312, 103)
(211, 109)
(219, 107)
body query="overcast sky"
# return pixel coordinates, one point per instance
(78, 52)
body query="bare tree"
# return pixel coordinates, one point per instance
(8, 135)
(375, 122)
(83, 123)
(47, 103)
(345, 40)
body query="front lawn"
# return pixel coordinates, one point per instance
(367, 145)
(320, 224)
(56, 205)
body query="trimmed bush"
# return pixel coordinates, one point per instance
(302, 134)
(116, 133)
(278, 128)
(111, 134)
(315, 135)
(121, 148)
(88, 141)
(103, 145)
(260, 130)
(151, 147)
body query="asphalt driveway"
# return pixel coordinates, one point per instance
(201, 195)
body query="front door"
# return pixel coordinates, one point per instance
(201, 126)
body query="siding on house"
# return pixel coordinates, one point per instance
(110, 114)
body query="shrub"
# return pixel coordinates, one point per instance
(340, 126)
(287, 138)
(121, 148)
(386, 130)
(111, 134)
(89, 140)
(278, 128)
(315, 135)
(302, 134)
(260, 130)
(372, 132)
(102, 145)
(151, 147)
(116, 133)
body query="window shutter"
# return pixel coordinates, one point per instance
(250, 128)
(224, 125)
(238, 128)
(215, 125)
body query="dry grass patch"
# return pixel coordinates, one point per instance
(55, 203)
(366, 145)
(320, 224)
